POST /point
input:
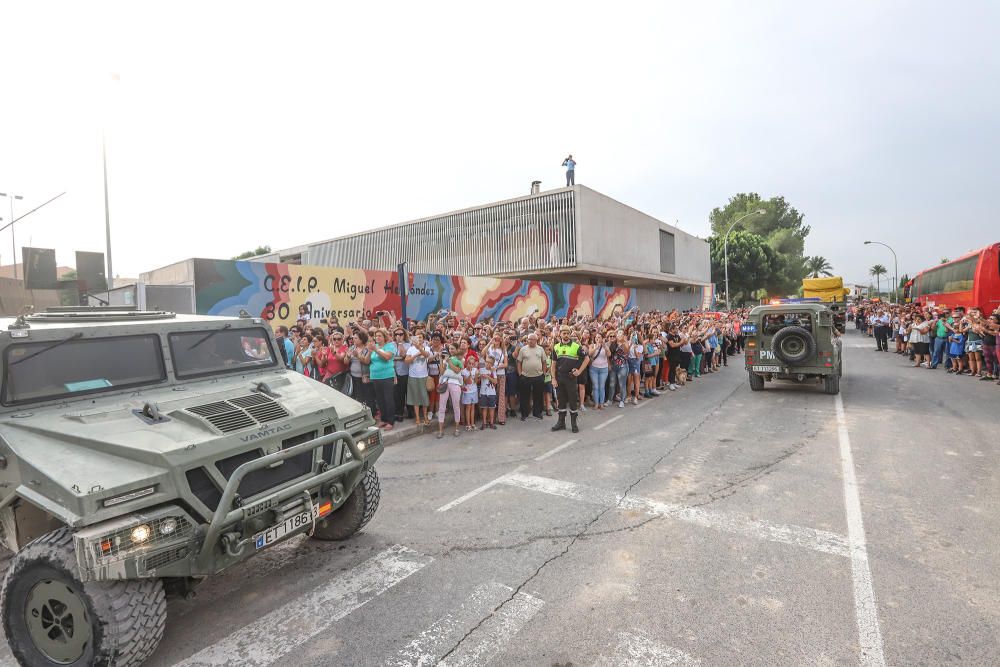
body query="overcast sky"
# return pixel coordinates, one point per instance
(240, 124)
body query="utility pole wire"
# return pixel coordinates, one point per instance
(21, 217)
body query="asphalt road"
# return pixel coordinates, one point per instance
(711, 525)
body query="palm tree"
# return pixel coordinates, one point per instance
(878, 271)
(817, 266)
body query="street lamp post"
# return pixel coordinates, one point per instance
(13, 244)
(725, 248)
(895, 269)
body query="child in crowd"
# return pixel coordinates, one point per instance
(488, 393)
(956, 350)
(470, 395)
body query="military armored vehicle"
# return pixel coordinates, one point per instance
(141, 452)
(797, 341)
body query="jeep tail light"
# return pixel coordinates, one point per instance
(751, 343)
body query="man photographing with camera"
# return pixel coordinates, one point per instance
(570, 165)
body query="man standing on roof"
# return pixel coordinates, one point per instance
(570, 165)
(570, 359)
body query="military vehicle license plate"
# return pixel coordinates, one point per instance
(767, 369)
(293, 523)
(749, 328)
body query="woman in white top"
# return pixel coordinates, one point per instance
(416, 389)
(451, 378)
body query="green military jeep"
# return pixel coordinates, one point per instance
(141, 452)
(796, 341)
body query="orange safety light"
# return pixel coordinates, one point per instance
(105, 547)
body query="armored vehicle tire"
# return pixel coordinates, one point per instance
(831, 384)
(756, 381)
(357, 510)
(52, 618)
(793, 345)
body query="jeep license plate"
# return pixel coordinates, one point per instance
(293, 523)
(767, 369)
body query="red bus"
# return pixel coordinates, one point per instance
(972, 280)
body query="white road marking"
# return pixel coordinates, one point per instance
(865, 604)
(605, 423)
(284, 629)
(556, 450)
(475, 492)
(808, 538)
(435, 641)
(490, 638)
(635, 650)
(643, 404)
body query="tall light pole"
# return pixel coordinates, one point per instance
(115, 77)
(895, 269)
(107, 212)
(13, 245)
(725, 248)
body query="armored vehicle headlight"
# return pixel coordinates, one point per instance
(361, 445)
(168, 526)
(141, 533)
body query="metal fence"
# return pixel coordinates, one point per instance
(529, 234)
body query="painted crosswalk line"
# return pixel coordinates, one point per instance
(431, 644)
(488, 640)
(808, 538)
(475, 492)
(281, 631)
(636, 650)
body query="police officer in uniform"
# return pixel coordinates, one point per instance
(570, 359)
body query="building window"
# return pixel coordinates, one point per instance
(667, 264)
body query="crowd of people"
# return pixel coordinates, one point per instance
(964, 341)
(489, 371)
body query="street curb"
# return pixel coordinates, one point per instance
(399, 434)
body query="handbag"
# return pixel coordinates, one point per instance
(429, 383)
(442, 388)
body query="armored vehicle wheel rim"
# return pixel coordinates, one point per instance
(57, 621)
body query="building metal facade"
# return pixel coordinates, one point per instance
(522, 235)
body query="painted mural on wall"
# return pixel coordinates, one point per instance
(281, 293)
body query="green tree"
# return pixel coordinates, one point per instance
(817, 266)
(780, 227)
(260, 250)
(878, 271)
(945, 260)
(751, 264)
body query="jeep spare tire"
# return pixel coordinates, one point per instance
(793, 345)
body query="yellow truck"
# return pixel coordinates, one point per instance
(825, 289)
